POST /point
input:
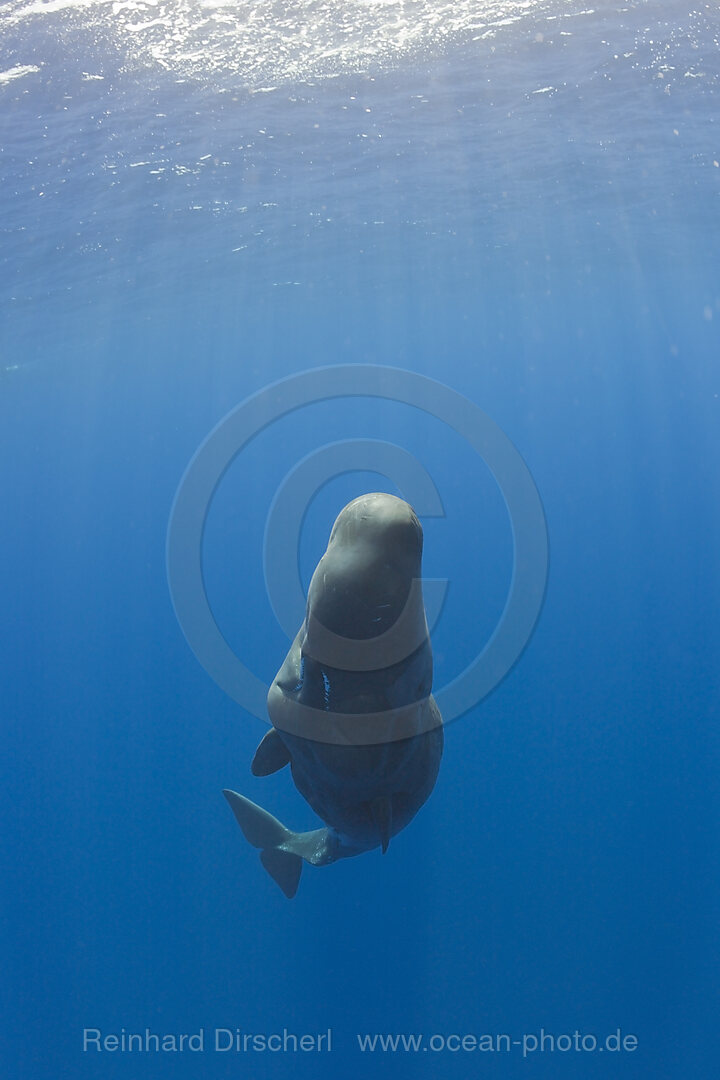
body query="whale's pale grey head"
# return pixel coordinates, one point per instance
(359, 671)
(367, 588)
(384, 527)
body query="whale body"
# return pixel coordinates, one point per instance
(351, 708)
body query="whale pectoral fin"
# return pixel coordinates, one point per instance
(381, 811)
(282, 851)
(284, 868)
(272, 754)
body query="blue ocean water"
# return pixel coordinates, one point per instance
(519, 200)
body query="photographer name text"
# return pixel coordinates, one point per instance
(220, 1040)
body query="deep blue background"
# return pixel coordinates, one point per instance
(553, 256)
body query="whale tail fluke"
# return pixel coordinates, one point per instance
(284, 868)
(282, 851)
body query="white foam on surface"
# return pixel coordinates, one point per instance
(261, 44)
(17, 73)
